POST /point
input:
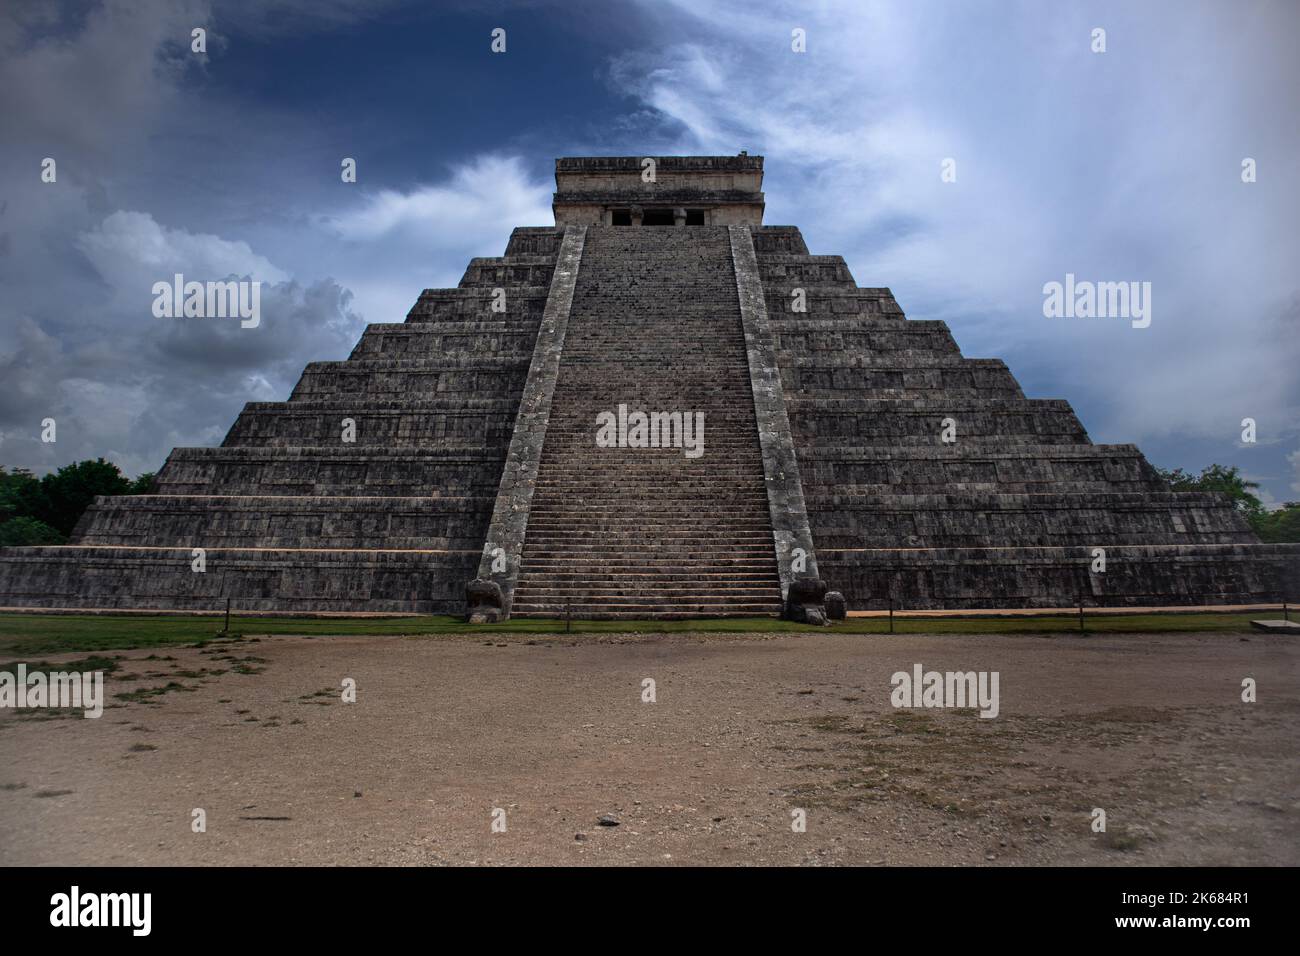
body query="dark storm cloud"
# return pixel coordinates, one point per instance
(99, 89)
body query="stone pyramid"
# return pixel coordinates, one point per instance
(477, 453)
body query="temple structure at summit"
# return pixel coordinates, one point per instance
(657, 407)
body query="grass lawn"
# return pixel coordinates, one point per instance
(24, 634)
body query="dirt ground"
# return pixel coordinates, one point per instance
(745, 730)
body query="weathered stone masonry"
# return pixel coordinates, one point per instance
(291, 517)
(796, 554)
(505, 540)
(474, 430)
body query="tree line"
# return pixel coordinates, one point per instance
(1273, 527)
(45, 510)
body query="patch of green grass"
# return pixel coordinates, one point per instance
(910, 722)
(246, 665)
(62, 633)
(145, 693)
(89, 664)
(48, 713)
(1123, 840)
(56, 633)
(832, 723)
(199, 674)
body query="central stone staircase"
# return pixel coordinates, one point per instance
(647, 532)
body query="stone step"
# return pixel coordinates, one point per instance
(650, 586)
(481, 297)
(812, 383)
(665, 549)
(876, 422)
(542, 562)
(633, 535)
(386, 380)
(974, 520)
(774, 239)
(649, 596)
(304, 579)
(632, 612)
(658, 596)
(669, 510)
(779, 270)
(499, 271)
(631, 577)
(834, 302)
(534, 240)
(376, 423)
(974, 465)
(1136, 575)
(855, 335)
(640, 547)
(652, 497)
(678, 480)
(645, 464)
(469, 341)
(630, 537)
(584, 436)
(674, 473)
(261, 521)
(754, 515)
(401, 471)
(575, 527)
(715, 519)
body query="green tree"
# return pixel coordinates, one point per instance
(24, 531)
(1218, 478)
(1281, 526)
(143, 485)
(21, 494)
(53, 505)
(70, 491)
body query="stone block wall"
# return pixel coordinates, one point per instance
(293, 516)
(1006, 515)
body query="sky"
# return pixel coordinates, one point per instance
(1122, 165)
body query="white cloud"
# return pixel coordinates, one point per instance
(481, 197)
(130, 386)
(131, 251)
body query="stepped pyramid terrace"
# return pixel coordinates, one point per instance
(657, 407)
